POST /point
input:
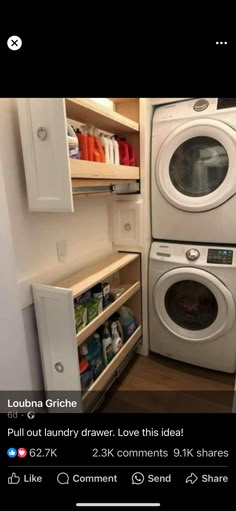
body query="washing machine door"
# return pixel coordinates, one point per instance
(195, 168)
(193, 304)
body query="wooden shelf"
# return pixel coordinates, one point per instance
(105, 376)
(93, 170)
(123, 100)
(86, 279)
(89, 112)
(130, 290)
(97, 182)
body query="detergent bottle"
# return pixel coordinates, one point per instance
(105, 145)
(107, 345)
(99, 154)
(128, 321)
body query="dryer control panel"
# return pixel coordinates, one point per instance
(219, 256)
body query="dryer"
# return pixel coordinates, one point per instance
(192, 304)
(193, 172)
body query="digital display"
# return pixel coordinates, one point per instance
(220, 256)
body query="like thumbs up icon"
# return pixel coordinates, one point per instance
(13, 479)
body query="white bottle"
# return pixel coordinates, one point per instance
(116, 151)
(116, 339)
(111, 150)
(107, 346)
(106, 146)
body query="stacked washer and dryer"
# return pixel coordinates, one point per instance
(192, 267)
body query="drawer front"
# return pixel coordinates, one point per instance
(43, 133)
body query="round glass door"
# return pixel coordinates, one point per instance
(195, 167)
(198, 166)
(191, 305)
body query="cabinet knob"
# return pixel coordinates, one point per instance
(42, 133)
(59, 367)
(127, 227)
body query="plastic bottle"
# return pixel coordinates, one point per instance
(77, 132)
(105, 145)
(116, 339)
(116, 151)
(123, 152)
(83, 141)
(111, 150)
(92, 351)
(73, 143)
(132, 155)
(91, 144)
(128, 321)
(107, 345)
(86, 375)
(116, 317)
(99, 154)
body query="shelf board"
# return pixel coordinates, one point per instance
(123, 100)
(81, 182)
(86, 279)
(105, 376)
(89, 112)
(130, 290)
(96, 170)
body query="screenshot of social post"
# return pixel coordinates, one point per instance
(118, 302)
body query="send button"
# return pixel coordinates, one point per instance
(159, 479)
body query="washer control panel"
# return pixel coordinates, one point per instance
(219, 256)
(192, 254)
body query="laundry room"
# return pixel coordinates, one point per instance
(118, 233)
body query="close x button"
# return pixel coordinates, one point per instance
(14, 42)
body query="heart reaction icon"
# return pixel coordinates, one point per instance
(21, 453)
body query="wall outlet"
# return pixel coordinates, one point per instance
(61, 250)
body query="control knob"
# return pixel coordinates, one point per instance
(192, 254)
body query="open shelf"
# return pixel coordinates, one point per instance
(86, 279)
(89, 112)
(95, 170)
(104, 378)
(130, 290)
(55, 316)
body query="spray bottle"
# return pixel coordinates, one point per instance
(116, 339)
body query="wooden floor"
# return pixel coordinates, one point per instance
(158, 384)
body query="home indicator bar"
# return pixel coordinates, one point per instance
(119, 504)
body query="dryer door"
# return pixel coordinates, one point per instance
(193, 304)
(195, 168)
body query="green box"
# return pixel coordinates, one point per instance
(81, 317)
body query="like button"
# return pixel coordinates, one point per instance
(13, 479)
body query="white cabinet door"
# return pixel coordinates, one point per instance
(57, 338)
(44, 143)
(127, 220)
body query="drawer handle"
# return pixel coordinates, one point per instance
(42, 133)
(127, 227)
(59, 367)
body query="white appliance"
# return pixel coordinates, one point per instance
(192, 311)
(193, 171)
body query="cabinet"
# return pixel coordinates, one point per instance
(53, 179)
(54, 307)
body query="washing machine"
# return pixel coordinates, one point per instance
(192, 304)
(193, 172)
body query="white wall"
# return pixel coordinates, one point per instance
(34, 235)
(15, 371)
